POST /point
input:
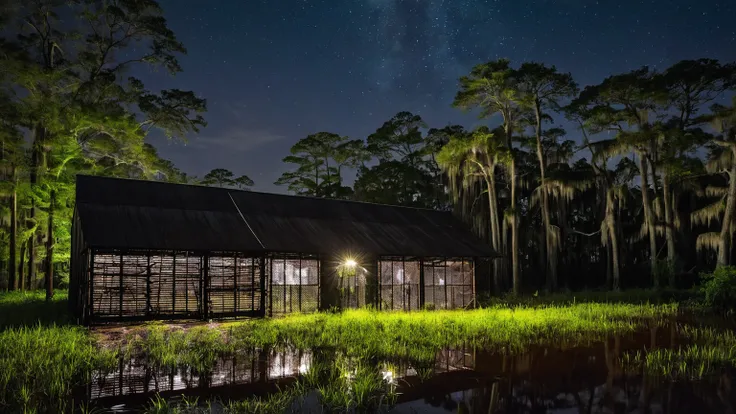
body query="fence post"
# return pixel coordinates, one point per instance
(91, 301)
(121, 285)
(173, 283)
(148, 284)
(421, 284)
(235, 284)
(205, 281)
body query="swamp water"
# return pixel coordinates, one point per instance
(602, 376)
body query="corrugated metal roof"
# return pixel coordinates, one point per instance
(123, 213)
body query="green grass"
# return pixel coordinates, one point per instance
(631, 296)
(406, 334)
(415, 335)
(40, 366)
(42, 356)
(706, 352)
(160, 345)
(30, 309)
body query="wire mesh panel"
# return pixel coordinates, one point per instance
(455, 359)
(234, 286)
(288, 363)
(119, 285)
(162, 282)
(448, 284)
(294, 284)
(186, 284)
(399, 280)
(146, 285)
(137, 377)
(352, 288)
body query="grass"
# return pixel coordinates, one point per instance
(409, 334)
(275, 403)
(44, 357)
(40, 366)
(707, 352)
(631, 296)
(30, 309)
(160, 345)
(343, 385)
(416, 335)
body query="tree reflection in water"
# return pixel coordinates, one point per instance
(544, 379)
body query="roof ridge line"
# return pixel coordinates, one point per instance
(225, 189)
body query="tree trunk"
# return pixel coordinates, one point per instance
(613, 238)
(549, 249)
(515, 275)
(609, 264)
(49, 276)
(31, 222)
(656, 202)
(12, 267)
(316, 180)
(649, 218)
(669, 227)
(725, 237)
(495, 236)
(21, 267)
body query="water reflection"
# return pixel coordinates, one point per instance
(501, 397)
(137, 380)
(575, 379)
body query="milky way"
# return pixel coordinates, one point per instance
(276, 71)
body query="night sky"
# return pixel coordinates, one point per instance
(274, 71)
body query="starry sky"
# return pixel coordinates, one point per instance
(274, 71)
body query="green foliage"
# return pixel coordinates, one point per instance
(407, 173)
(41, 365)
(27, 309)
(719, 288)
(632, 296)
(398, 333)
(320, 159)
(164, 347)
(219, 177)
(707, 352)
(66, 83)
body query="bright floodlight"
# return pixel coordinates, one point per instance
(350, 263)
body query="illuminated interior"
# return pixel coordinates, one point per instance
(294, 284)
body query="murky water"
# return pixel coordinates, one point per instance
(576, 379)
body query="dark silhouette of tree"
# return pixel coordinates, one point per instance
(219, 177)
(320, 159)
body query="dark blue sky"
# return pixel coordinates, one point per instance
(274, 71)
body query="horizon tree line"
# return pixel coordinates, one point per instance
(644, 185)
(640, 191)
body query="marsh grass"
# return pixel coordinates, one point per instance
(372, 334)
(31, 309)
(631, 296)
(420, 334)
(706, 351)
(275, 403)
(163, 346)
(41, 365)
(348, 384)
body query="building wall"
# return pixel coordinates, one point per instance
(114, 285)
(293, 283)
(140, 285)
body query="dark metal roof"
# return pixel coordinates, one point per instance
(120, 213)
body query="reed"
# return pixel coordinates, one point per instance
(40, 366)
(705, 353)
